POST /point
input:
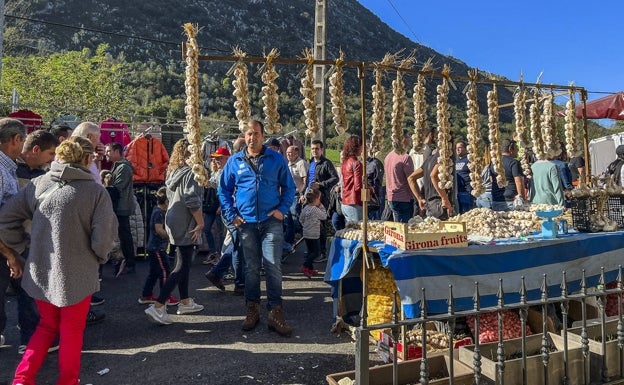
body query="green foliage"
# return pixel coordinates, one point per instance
(90, 83)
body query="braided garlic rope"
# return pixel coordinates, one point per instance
(551, 143)
(378, 120)
(191, 108)
(536, 134)
(336, 91)
(241, 90)
(522, 133)
(270, 97)
(420, 108)
(446, 167)
(308, 91)
(398, 106)
(472, 122)
(572, 142)
(494, 136)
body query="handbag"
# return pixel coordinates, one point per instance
(211, 200)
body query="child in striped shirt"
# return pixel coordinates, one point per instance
(311, 216)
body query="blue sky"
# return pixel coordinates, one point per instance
(569, 41)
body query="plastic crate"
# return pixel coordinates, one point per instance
(584, 208)
(614, 208)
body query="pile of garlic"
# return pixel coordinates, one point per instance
(498, 224)
(270, 97)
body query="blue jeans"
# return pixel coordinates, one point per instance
(465, 201)
(402, 211)
(352, 213)
(262, 242)
(376, 215)
(209, 220)
(179, 275)
(231, 255)
(338, 221)
(484, 200)
(502, 206)
(291, 221)
(159, 271)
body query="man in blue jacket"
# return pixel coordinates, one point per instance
(256, 191)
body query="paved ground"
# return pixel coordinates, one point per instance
(203, 348)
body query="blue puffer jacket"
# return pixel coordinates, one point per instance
(254, 194)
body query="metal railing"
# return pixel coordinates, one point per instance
(590, 341)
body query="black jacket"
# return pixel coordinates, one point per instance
(326, 176)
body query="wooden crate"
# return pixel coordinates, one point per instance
(398, 235)
(611, 352)
(409, 373)
(535, 367)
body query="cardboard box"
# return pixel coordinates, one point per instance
(535, 366)
(409, 352)
(611, 352)
(575, 312)
(409, 373)
(398, 235)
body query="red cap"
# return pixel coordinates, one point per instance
(221, 151)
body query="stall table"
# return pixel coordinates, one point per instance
(436, 269)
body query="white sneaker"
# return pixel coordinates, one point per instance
(1, 340)
(191, 307)
(158, 315)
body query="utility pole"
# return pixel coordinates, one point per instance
(320, 18)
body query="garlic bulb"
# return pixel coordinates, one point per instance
(195, 161)
(494, 136)
(472, 121)
(336, 90)
(270, 97)
(446, 167)
(308, 91)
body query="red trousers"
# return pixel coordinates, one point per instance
(69, 322)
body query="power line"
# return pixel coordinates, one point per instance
(82, 28)
(404, 21)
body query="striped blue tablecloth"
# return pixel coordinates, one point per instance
(436, 269)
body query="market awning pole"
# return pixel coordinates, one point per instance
(585, 136)
(362, 349)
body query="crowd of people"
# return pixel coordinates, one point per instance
(262, 200)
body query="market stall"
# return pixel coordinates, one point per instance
(436, 269)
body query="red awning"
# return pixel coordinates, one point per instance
(609, 107)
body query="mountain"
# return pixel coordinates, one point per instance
(152, 30)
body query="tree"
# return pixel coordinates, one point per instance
(91, 83)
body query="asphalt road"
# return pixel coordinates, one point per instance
(208, 347)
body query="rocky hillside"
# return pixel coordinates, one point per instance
(255, 26)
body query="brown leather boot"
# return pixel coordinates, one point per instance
(277, 322)
(253, 316)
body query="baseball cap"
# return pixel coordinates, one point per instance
(221, 151)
